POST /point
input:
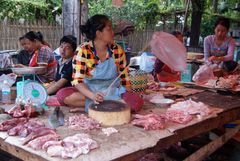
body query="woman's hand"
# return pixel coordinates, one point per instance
(19, 66)
(98, 97)
(214, 58)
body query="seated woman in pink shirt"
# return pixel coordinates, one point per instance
(219, 48)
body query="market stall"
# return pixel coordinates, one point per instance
(131, 142)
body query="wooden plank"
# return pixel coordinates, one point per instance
(208, 149)
(188, 132)
(18, 152)
(226, 102)
(129, 140)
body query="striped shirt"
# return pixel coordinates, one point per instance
(84, 63)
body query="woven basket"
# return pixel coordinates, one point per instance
(138, 79)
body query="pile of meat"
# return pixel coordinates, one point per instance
(82, 122)
(150, 121)
(161, 86)
(23, 129)
(178, 116)
(191, 107)
(23, 109)
(227, 82)
(9, 124)
(39, 137)
(70, 147)
(153, 86)
(180, 112)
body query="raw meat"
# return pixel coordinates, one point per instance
(191, 107)
(38, 133)
(228, 82)
(38, 142)
(52, 143)
(72, 146)
(7, 125)
(23, 109)
(24, 129)
(82, 122)
(150, 121)
(154, 86)
(15, 130)
(55, 150)
(178, 116)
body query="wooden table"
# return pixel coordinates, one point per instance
(133, 142)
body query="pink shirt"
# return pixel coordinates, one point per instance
(226, 49)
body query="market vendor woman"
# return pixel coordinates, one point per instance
(41, 56)
(219, 48)
(97, 63)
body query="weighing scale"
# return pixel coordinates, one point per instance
(31, 89)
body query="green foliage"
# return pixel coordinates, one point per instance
(209, 18)
(30, 10)
(207, 25)
(140, 12)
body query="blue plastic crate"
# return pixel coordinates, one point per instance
(186, 76)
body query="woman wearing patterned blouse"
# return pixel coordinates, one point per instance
(97, 63)
(219, 48)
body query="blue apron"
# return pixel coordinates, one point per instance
(103, 76)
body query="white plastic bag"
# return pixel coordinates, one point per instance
(169, 50)
(203, 74)
(147, 61)
(10, 79)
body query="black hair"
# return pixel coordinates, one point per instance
(31, 35)
(223, 21)
(176, 33)
(95, 23)
(71, 40)
(21, 38)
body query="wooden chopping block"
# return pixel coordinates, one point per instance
(110, 113)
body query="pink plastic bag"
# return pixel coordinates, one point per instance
(203, 74)
(169, 50)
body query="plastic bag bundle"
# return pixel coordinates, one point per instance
(9, 78)
(203, 74)
(147, 61)
(169, 50)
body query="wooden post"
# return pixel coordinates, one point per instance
(71, 18)
(208, 149)
(84, 16)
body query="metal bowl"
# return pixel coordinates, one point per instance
(29, 70)
(165, 102)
